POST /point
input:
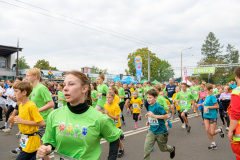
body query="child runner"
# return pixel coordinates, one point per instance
(113, 110)
(177, 90)
(136, 103)
(220, 107)
(61, 98)
(210, 116)
(116, 97)
(225, 98)
(94, 94)
(28, 119)
(184, 98)
(76, 129)
(194, 90)
(157, 131)
(121, 96)
(127, 97)
(202, 95)
(102, 91)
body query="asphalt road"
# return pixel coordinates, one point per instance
(191, 146)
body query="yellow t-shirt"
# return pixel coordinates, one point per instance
(132, 90)
(173, 98)
(136, 103)
(114, 110)
(30, 112)
(116, 99)
(168, 103)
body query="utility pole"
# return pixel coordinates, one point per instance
(148, 66)
(181, 62)
(17, 58)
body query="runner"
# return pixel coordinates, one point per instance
(61, 98)
(232, 85)
(94, 94)
(136, 103)
(76, 129)
(170, 90)
(221, 113)
(177, 90)
(195, 90)
(146, 89)
(210, 116)
(157, 131)
(102, 91)
(29, 119)
(116, 97)
(202, 95)
(225, 98)
(113, 110)
(184, 98)
(121, 93)
(127, 97)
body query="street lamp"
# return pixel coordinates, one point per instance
(181, 61)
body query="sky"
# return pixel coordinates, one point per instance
(102, 33)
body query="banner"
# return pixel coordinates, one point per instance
(204, 70)
(185, 73)
(138, 66)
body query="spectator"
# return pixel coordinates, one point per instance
(50, 74)
(232, 85)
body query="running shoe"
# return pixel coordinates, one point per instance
(203, 123)
(140, 117)
(172, 154)
(152, 149)
(183, 125)
(212, 147)
(223, 124)
(227, 129)
(120, 153)
(1, 129)
(169, 123)
(189, 128)
(123, 123)
(16, 151)
(8, 130)
(222, 132)
(18, 134)
(134, 128)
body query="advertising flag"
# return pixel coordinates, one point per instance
(138, 66)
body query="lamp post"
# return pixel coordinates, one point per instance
(181, 61)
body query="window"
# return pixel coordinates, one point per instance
(2, 64)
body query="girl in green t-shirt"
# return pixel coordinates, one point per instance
(102, 90)
(61, 98)
(94, 94)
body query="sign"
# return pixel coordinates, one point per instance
(204, 70)
(138, 66)
(185, 73)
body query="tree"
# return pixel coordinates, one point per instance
(22, 64)
(211, 50)
(127, 72)
(232, 56)
(159, 69)
(43, 64)
(97, 70)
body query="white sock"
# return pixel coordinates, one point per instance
(220, 131)
(213, 143)
(5, 125)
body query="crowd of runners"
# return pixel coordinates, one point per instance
(71, 118)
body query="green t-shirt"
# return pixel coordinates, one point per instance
(78, 135)
(164, 90)
(102, 99)
(140, 93)
(147, 89)
(216, 92)
(61, 95)
(40, 96)
(195, 90)
(121, 93)
(162, 102)
(185, 100)
(94, 95)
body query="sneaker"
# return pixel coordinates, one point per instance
(8, 130)
(140, 118)
(212, 147)
(222, 132)
(169, 123)
(189, 128)
(122, 137)
(1, 129)
(152, 149)
(120, 153)
(16, 151)
(123, 123)
(183, 125)
(18, 134)
(227, 129)
(172, 154)
(203, 123)
(223, 124)
(134, 128)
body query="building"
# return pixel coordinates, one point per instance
(7, 61)
(86, 70)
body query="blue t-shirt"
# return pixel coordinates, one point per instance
(127, 93)
(233, 86)
(157, 126)
(210, 101)
(219, 103)
(6, 86)
(170, 90)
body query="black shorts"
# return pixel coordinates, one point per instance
(135, 116)
(28, 156)
(181, 113)
(212, 120)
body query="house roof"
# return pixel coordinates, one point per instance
(5, 51)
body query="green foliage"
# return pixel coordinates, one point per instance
(97, 70)
(43, 64)
(232, 56)
(159, 69)
(22, 64)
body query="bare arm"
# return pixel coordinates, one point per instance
(19, 120)
(49, 105)
(165, 116)
(216, 106)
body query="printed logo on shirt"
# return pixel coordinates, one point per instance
(76, 130)
(184, 96)
(33, 94)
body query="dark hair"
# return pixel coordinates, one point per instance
(152, 92)
(185, 84)
(114, 89)
(237, 72)
(85, 82)
(11, 81)
(94, 85)
(102, 76)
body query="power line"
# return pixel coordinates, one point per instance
(160, 48)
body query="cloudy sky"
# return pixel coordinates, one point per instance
(165, 27)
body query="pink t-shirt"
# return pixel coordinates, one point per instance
(202, 94)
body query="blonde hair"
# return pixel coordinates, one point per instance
(209, 89)
(158, 87)
(228, 88)
(102, 76)
(34, 71)
(111, 93)
(114, 89)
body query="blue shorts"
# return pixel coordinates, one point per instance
(201, 102)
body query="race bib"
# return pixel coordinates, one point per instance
(120, 100)
(126, 95)
(194, 92)
(135, 105)
(59, 156)
(153, 121)
(100, 97)
(139, 94)
(60, 105)
(207, 110)
(24, 141)
(182, 102)
(9, 99)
